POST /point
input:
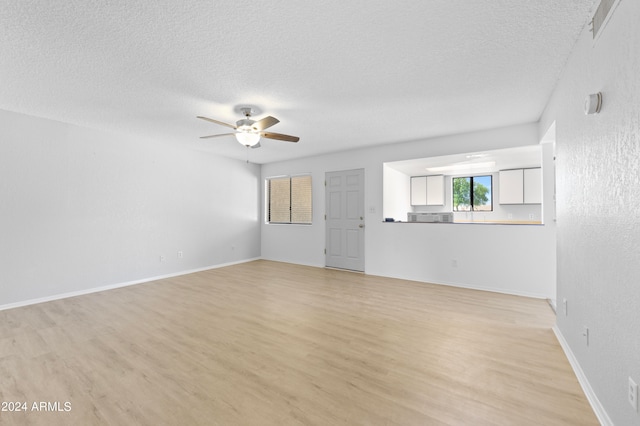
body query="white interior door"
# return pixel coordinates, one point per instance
(344, 198)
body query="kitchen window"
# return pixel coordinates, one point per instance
(472, 193)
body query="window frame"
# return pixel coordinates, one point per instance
(292, 203)
(471, 204)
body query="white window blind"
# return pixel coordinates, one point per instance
(290, 199)
(280, 200)
(301, 199)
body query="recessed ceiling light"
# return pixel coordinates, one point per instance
(462, 167)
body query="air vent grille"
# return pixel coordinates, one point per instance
(601, 16)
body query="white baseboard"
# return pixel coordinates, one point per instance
(497, 290)
(471, 287)
(598, 409)
(291, 262)
(117, 285)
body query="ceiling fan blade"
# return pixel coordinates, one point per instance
(222, 123)
(279, 136)
(216, 136)
(256, 146)
(265, 123)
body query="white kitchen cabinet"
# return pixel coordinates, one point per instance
(427, 190)
(511, 186)
(533, 186)
(435, 190)
(521, 186)
(418, 190)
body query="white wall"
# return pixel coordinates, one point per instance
(512, 259)
(396, 193)
(598, 201)
(81, 209)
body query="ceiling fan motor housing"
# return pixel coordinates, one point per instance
(246, 125)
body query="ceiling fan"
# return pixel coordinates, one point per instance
(248, 131)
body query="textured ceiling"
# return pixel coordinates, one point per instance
(339, 74)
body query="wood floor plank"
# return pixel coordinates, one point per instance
(268, 343)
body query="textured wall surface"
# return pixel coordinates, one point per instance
(598, 197)
(81, 209)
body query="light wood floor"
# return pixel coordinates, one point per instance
(266, 343)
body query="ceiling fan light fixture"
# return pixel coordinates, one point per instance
(248, 132)
(247, 138)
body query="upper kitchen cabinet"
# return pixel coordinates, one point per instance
(521, 186)
(427, 190)
(533, 186)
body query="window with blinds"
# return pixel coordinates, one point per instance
(289, 199)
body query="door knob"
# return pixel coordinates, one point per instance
(361, 226)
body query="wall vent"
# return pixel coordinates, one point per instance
(602, 15)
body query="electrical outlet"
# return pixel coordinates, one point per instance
(531, 216)
(454, 263)
(564, 306)
(585, 334)
(180, 254)
(161, 258)
(633, 394)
